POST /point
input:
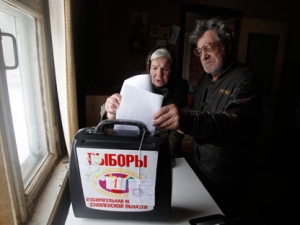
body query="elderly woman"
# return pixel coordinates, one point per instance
(160, 65)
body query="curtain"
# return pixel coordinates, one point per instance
(62, 42)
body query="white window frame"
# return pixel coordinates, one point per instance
(21, 202)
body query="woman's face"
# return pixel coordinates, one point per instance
(160, 71)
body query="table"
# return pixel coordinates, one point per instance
(190, 199)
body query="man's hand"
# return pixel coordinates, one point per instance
(111, 105)
(167, 117)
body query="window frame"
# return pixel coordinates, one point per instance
(23, 200)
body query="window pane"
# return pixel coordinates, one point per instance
(25, 89)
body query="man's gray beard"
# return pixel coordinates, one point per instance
(216, 71)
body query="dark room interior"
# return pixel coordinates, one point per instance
(106, 53)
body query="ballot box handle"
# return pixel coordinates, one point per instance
(107, 124)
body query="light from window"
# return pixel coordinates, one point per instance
(25, 89)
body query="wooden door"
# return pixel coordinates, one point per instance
(262, 48)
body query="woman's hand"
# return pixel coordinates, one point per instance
(112, 104)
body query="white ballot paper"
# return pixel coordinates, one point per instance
(138, 102)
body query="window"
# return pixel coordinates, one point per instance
(29, 129)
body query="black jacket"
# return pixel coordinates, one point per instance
(225, 122)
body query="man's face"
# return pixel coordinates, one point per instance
(160, 71)
(212, 53)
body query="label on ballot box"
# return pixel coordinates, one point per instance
(118, 180)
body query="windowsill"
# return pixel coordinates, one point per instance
(49, 200)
